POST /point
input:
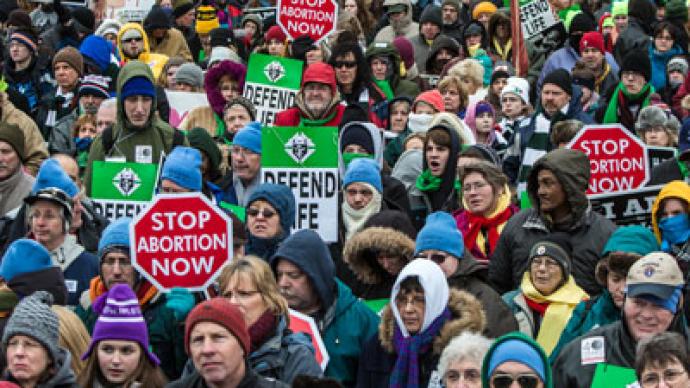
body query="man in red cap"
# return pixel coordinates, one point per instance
(318, 101)
(593, 55)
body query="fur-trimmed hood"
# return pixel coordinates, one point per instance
(360, 252)
(466, 314)
(235, 70)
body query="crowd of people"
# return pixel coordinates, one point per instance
(468, 253)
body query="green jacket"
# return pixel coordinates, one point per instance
(153, 139)
(166, 334)
(352, 325)
(521, 337)
(401, 87)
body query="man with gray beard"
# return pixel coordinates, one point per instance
(317, 104)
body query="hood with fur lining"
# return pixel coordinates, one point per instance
(360, 252)
(466, 314)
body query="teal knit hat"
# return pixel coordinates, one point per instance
(631, 239)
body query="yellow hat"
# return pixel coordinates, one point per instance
(483, 7)
(206, 19)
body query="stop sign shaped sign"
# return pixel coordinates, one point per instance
(181, 240)
(316, 18)
(617, 158)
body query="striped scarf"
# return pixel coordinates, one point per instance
(537, 146)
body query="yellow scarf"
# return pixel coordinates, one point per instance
(561, 305)
(503, 52)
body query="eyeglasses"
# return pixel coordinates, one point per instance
(347, 64)
(265, 212)
(132, 39)
(653, 379)
(437, 258)
(415, 300)
(504, 380)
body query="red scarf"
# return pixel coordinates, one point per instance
(262, 329)
(539, 308)
(477, 223)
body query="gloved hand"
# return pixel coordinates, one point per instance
(180, 301)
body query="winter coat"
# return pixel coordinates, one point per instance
(421, 51)
(441, 42)
(155, 61)
(409, 30)
(60, 139)
(618, 348)
(78, 267)
(665, 172)
(34, 148)
(378, 358)
(292, 117)
(157, 135)
(251, 380)
(636, 36)
(494, 21)
(371, 281)
(659, 62)
(401, 87)
(588, 231)
(63, 376)
(102, 53)
(587, 316)
(565, 58)
(166, 333)
(14, 189)
(266, 247)
(32, 82)
(470, 276)
(173, 44)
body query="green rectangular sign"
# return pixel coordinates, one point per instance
(613, 376)
(272, 85)
(123, 181)
(307, 147)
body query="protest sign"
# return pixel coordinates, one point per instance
(263, 12)
(536, 17)
(128, 10)
(658, 155)
(632, 207)
(181, 103)
(316, 18)
(306, 160)
(122, 189)
(614, 376)
(272, 84)
(617, 158)
(302, 323)
(181, 240)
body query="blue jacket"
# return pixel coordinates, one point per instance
(78, 275)
(565, 58)
(659, 62)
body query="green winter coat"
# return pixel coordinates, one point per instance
(156, 134)
(401, 87)
(352, 325)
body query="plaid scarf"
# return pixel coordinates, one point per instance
(406, 371)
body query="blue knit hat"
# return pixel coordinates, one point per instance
(183, 166)
(517, 351)
(249, 137)
(363, 170)
(631, 239)
(51, 174)
(115, 234)
(440, 233)
(138, 86)
(281, 198)
(24, 256)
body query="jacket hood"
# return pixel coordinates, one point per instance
(674, 189)
(408, 167)
(485, 36)
(107, 24)
(497, 18)
(98, 50)
(361, 250)
(215, 98)
(377, 49)
(132, 26)
(644, 11)
(441, 42)
(281, 198)
(572, 170)
(309, 253)
(450, 120)
(376, 138)
(431, 14)
(450, 172)
(256, 19)
(520, 337)
(467, 314)
(406, 3)
(130, 70)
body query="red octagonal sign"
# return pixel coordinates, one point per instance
(316, 18)
(181, 240)
(617, 158)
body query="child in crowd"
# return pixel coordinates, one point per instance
(83, 132)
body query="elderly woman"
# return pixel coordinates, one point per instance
(664, 357)
(422, 317)
(626, 245)
(548, 294)
(461, 361)
(270, 214)
(486, 208)
(119, 352)
(657, 127)
(471, 74)
(275, 351)
(30, 345)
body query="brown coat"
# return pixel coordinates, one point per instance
(35, 150)
(173, 44)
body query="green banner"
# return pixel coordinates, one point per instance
(123, 181)
(239, 211)
(613, 376)
(307, 147)
(272, 84)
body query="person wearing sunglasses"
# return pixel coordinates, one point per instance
(441, 242)
(548, 293)
(515, 360)
(133, 43)
(270, 214)
(422, 311)
(663, 357)
(653, 305)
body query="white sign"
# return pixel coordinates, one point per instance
(181, 104)
(536, 17)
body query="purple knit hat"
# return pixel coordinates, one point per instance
(120, 318)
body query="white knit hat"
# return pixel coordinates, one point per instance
(517, 86)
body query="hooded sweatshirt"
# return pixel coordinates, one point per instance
(407, 27)
(153, 60)
(282, 199)
(401, 87)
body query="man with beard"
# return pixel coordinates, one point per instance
(452, 23)
(399, 13)
(317, 102)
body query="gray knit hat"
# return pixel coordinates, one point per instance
(653, 116)
(190, 74)
(34, 318)
(244, 102)
(677, 64)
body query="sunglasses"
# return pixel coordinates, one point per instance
(266, 213)
(132, 39)
(504, 380)
(348, 64)
(437, 258)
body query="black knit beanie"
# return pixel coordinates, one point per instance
(560, 78)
